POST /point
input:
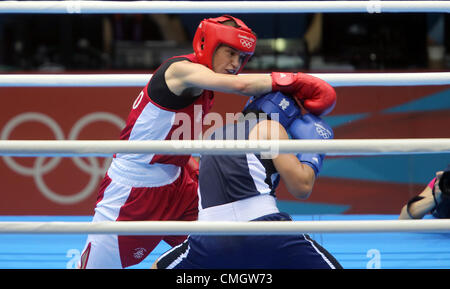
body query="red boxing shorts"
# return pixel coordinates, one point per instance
(118, 202)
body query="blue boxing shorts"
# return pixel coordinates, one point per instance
(249, 252)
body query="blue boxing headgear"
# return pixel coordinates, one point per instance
(275, 102)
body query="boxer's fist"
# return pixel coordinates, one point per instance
(314, 94)
(310, 126)
(192, 167)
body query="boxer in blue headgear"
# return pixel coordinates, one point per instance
(242, 187)
(298, 126)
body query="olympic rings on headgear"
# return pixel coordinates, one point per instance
(246, 43)
(39, 169)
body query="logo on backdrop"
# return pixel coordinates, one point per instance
(39, 169)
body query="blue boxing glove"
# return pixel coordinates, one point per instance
(310, 126)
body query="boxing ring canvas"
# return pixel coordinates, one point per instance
(353, 250)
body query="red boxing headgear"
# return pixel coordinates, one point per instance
(210, 33)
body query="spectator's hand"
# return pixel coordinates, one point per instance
(437, 187)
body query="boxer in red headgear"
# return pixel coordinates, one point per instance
(141, 187)
(212, 35)
(212, 32)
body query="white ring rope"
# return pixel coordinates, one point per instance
(139, 7)
(332, 147)
(128, 80)
(224, 227)
(68, 148)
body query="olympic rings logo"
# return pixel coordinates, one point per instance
(39, 169)
(322, 131)
(246, 43)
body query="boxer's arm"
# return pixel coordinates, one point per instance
(184, 75)
(316, 95)
(298, 177)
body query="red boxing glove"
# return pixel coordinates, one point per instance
(193, 168)
(314, 94)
